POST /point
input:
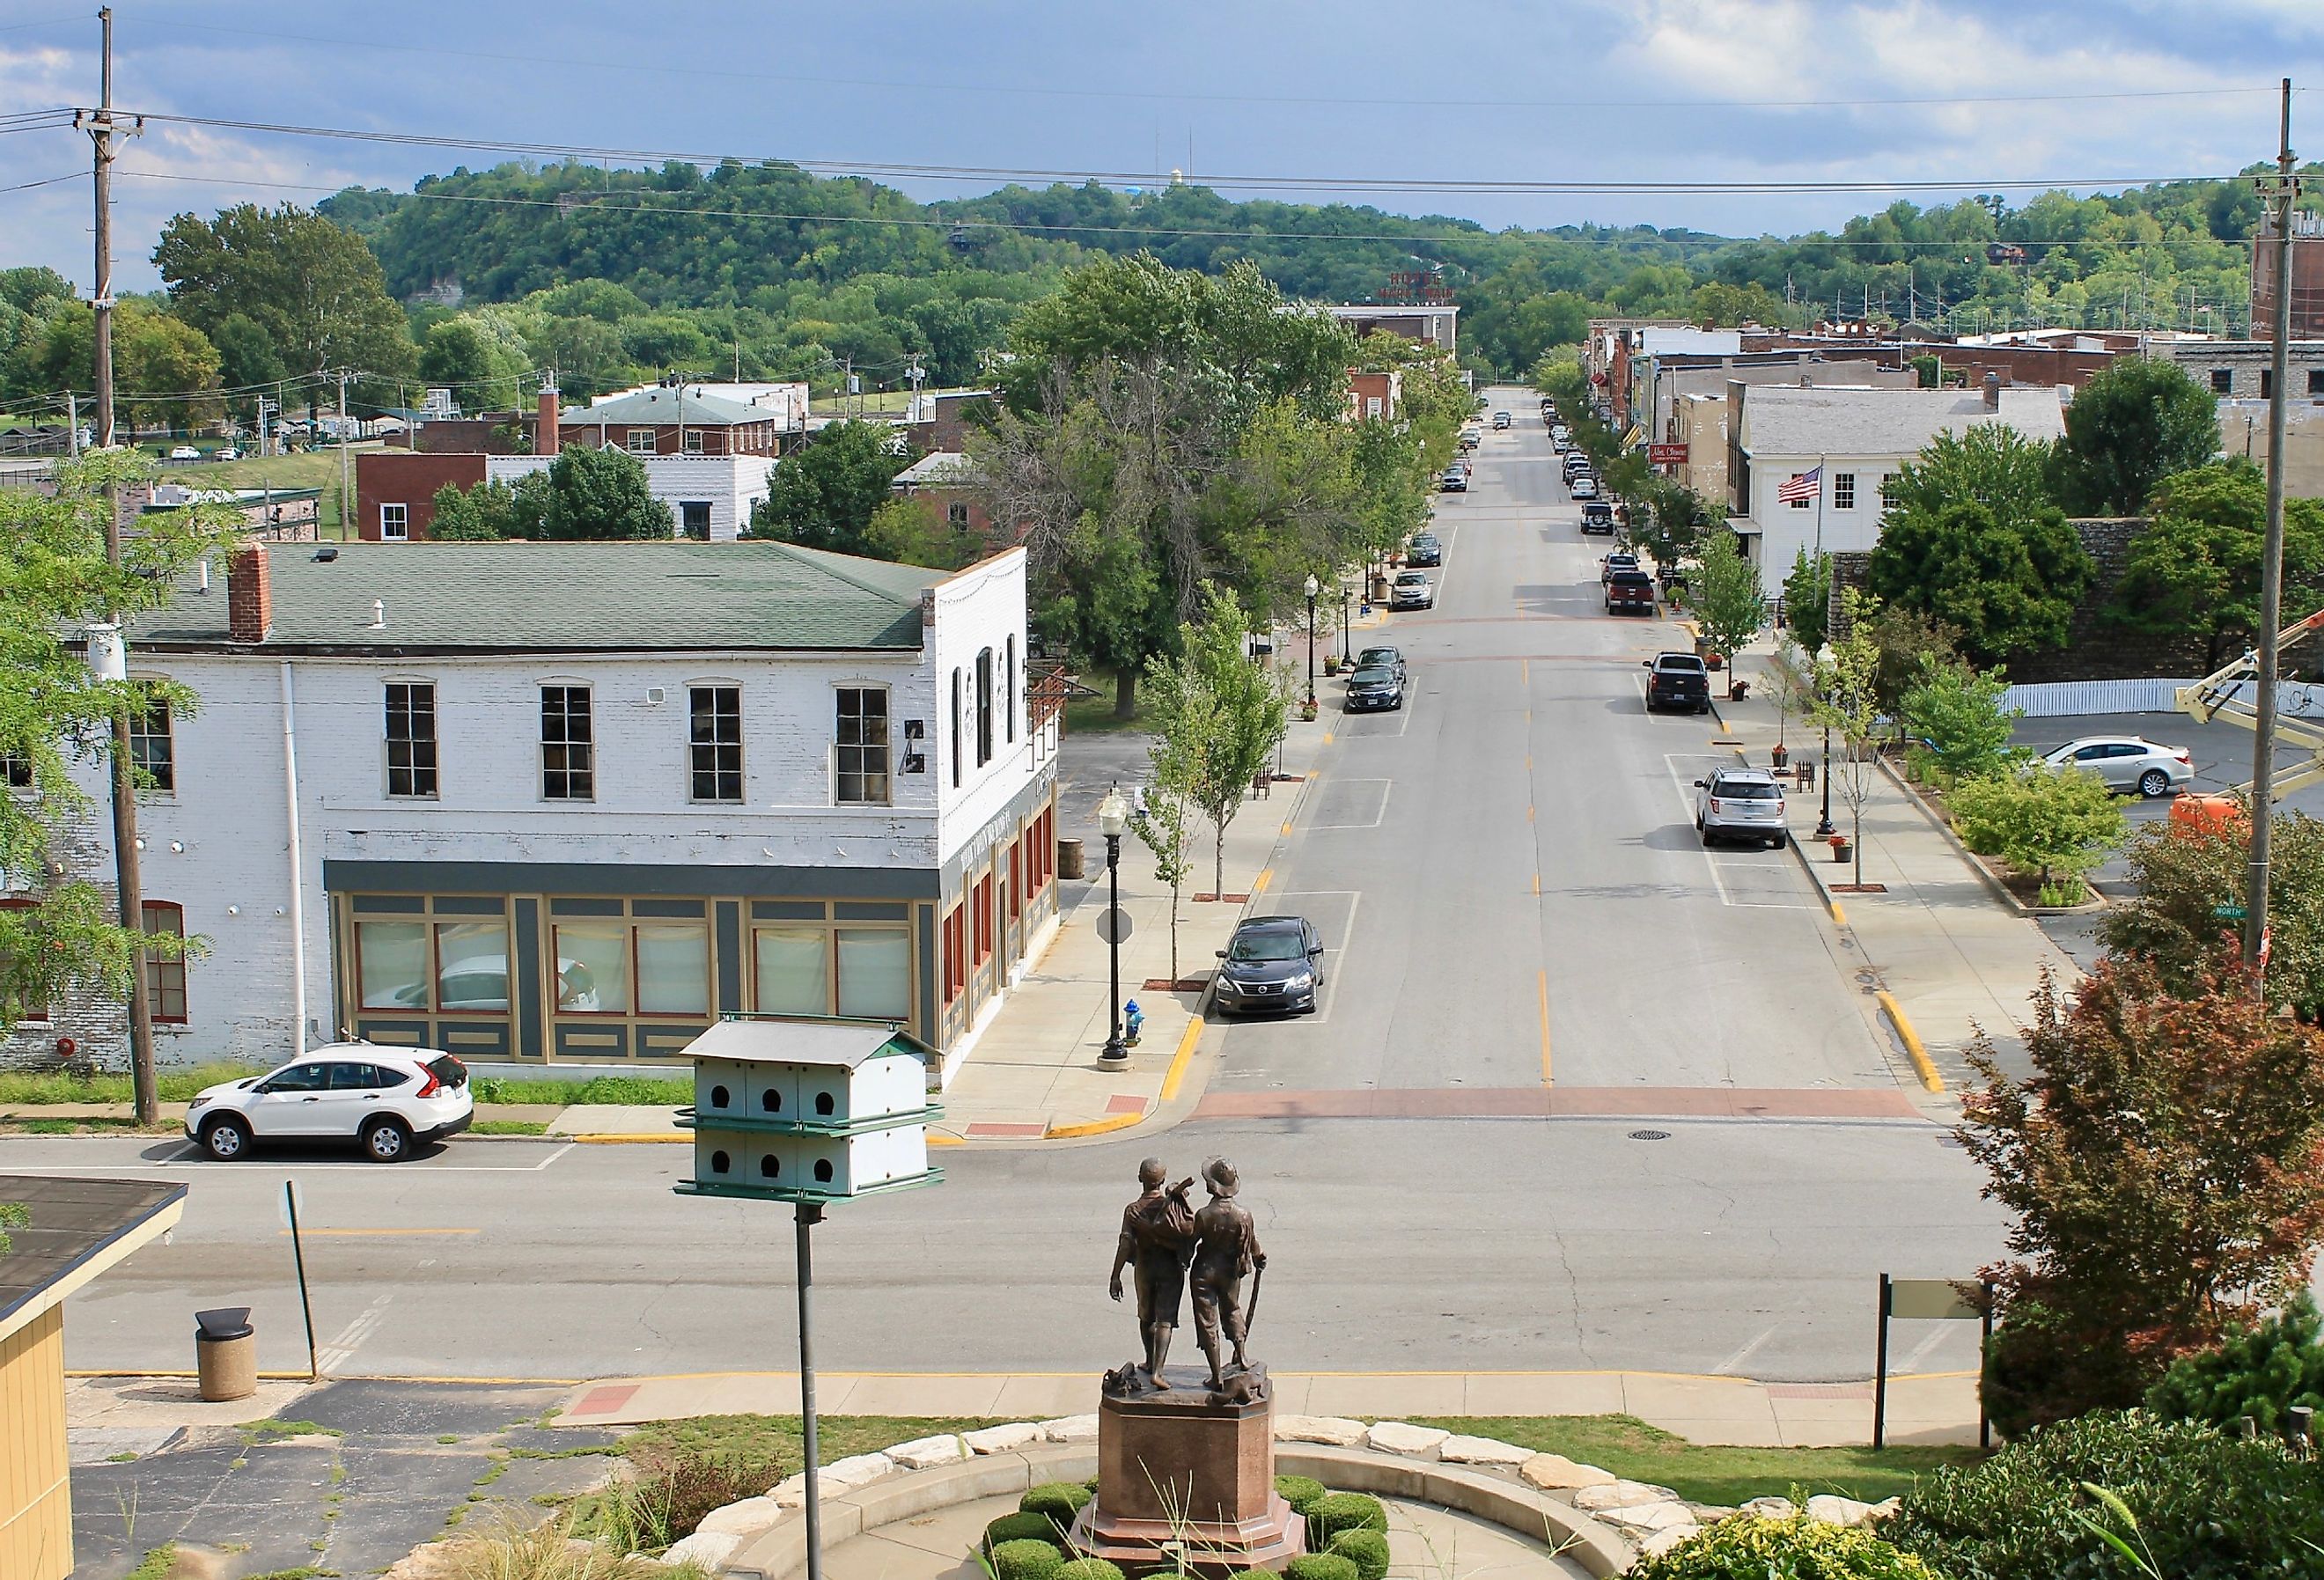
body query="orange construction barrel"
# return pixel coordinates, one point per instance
(2207, 814)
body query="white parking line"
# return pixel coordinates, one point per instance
(1744, 1353)
(1685, 785)
(1334, 786)
(1336, 952)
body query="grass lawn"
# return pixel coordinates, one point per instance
(1084, 714)
(1703, 1474)
(644, 1090)
(1624, 1445)
(508, 1127)
(25, 1088)
(869, 400)
(313, 469)
(83, 1127)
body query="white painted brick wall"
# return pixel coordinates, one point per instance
(219, 844)
(732, 484)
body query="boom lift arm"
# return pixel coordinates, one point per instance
(2229, 693)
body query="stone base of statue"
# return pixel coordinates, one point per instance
(1182, 1470)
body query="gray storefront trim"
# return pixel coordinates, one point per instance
(629, 880)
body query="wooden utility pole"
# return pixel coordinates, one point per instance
(2271, 593)
(127, 879)
(347, 528)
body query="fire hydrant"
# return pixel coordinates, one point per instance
(1132, 1019)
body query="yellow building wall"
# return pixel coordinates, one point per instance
(35, 1495)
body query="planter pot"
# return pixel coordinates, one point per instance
(1779, 755)
(1307, 710)
(1331, 666)
(1840, 849)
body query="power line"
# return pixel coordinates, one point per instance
(985, 90)
(900, 172)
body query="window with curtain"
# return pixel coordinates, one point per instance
(673, 968)
(875, 972)
(392, 964)
(593, 968)
(792, 970)
(472, 966)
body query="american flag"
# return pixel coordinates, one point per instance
(1802, 486)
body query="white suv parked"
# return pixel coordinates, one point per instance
(386, 1098)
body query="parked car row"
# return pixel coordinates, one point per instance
(1377, 681)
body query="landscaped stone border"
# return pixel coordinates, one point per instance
(1604, 1521)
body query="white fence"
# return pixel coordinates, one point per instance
(2073, 697)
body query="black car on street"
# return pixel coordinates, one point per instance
(1273, 964)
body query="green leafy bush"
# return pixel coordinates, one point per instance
(1301, 1492)
(1337, 1511)
(2209, 1506)
(1747, 1547)
(1320, 1567)
(2260, 1372)
(1367, 1549)
(1019, 1527)
(1087, 1569)
(1027, 1560)
(1060, 1501)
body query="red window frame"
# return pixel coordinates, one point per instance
(165, 980)
(1015, 880)
(983, 903)
(955, 952)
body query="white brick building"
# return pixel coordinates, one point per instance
(572, 801)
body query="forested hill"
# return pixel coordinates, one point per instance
(775, 240)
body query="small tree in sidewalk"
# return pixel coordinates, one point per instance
(1848, 700)
(1244, 711)
(1728, 603)
(2045, 820)
(1183, 718)
(2165, 1164)
(1956, 714)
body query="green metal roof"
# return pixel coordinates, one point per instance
(497, 598)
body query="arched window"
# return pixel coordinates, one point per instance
(983, 708)
(957, 731)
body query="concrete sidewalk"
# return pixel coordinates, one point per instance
(1936, 1408)
(1949, 956)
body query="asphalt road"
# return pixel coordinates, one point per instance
(1515, 898)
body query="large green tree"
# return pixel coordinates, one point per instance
(1728, 603)
(1974, 539)
(247, 362)
(56, 714)
(592, 493)
(165, 371)
(484, 370)
(313, 285)
(2137, 421)
(823, 495)
(2194, 569)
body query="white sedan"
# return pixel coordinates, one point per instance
(388, 1099)
(2127, 763)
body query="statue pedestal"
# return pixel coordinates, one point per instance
(1186, 1469)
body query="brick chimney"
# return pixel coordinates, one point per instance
(1992, 392)
(249, 597)
(545, 442)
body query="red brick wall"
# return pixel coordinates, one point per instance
(749, 438)
(408, 479)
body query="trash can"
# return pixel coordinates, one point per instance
(1069, 858)
(226, 1352)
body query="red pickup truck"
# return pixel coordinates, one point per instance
(1630, 592)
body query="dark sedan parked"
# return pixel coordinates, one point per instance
(1393, 657)
(1272, 963)
(1375, 687)
(1424, 550)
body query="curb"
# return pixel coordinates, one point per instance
(1930, 1078)
(1838, 917)
(1185, 1054)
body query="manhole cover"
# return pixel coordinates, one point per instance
(1650, 1135)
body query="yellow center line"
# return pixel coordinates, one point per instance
(1536, 885)
(1543, 983)
(1529, 814)
(1258, 885)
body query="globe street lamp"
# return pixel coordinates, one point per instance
(1113, 822)
(1824, 829)
(1314, 587)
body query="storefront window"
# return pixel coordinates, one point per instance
(471, 967)
(794, 971)
(593, 968)
(673, 969)
(392, 961)
(875, 972)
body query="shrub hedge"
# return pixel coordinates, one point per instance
(2209, 1506)
(1320, 1567)
(1337, 1511)
(1367, 1549)
(1027, 1560)
(2259, 1371)
(1019, 1527)
(1060, 1501)
(1746, 1546)
(1301, 1492)
(1087, 1569)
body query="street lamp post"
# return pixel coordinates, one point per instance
(1314, 587)
(1113, 822)
(1347, 644)
(1823, 824)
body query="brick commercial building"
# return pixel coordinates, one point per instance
(572, 801)
(2307, 275)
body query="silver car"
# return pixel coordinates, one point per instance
(2127, 763)
(1740, 803)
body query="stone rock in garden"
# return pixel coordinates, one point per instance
(747, 1518)
(1656, 1543)
(1639, 1518)
(1460, 1450)
(1336, 1430)
(856, 1470)
(790, 1491)
(1833, 1509)
(1772, 1507)
(1885, 1507)
(1005, 1439)
(1622, 1494)
(921, 1453)
(434, 1560)
(1554, 1473)
(1071, 1429)
(1710, 1513)
(1403, 1437)
(710, 1549)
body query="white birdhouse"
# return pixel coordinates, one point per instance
(799, 1109)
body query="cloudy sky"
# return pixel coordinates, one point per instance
(1403, 100)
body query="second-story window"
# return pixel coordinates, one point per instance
(863, 746)
(958, 732)
(1009, 690)
(150, 746)
(1843, 491)
(410, 738)
(642, 441)
(568, 749)
(983, 707)
(715, 741)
